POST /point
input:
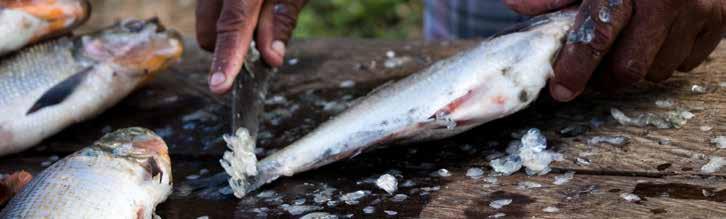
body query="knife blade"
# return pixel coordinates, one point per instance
(249, 93)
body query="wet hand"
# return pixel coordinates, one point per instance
(226, 27)
(616, 43)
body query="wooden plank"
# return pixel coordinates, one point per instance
(585, 196)
(324, 64)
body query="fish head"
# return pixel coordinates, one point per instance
(141, 146)
(60, 15)
(134, 47)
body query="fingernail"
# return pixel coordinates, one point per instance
(216, 79)
(278, 47)
(561, 92)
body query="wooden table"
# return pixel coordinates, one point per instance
(666, 175)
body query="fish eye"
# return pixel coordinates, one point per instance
(133, 26)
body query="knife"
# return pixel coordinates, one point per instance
(246, 104)
(249, 92)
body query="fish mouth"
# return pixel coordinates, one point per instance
(135, 45)
(141, 146)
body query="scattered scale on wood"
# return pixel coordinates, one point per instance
(323, 64)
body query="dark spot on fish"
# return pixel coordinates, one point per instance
(58, 93)
(523, 97)
(327, 153)
(25, 23)
(152, 167)
(384, 123)
(663, 166)
(614, 190)
(412, 111)
(658, 211)
(506, 70)
(134, 26)
(517, 209)
(680, 191)
(686, 169)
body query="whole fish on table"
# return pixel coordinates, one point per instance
(125, 174)
(50, 86)
(29, 21)
(495, 79)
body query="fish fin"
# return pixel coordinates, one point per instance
(58, 93)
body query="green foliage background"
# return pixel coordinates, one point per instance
(392, 19)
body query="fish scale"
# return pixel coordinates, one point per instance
(38, 67)
(70, 185)
(50, 86)
(100, 183)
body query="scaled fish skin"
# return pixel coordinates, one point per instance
(50, 86)
(125, 174)
(29, 21)
(495, 79)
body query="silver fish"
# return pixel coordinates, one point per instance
(495, 79)
(50, 86)
(26, 22)
(125, 174)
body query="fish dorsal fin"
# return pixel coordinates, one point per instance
(60, 91)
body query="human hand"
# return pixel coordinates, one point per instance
(226, 27)
(625, 41)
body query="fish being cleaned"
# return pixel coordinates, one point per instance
(50, 86)
(495, 79)
(125, 174)
(26, 22)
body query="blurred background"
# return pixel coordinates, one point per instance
(390, 19)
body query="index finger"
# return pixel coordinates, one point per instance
(598, 24)
(235, 28)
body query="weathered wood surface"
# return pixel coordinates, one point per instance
(590, 196)
(191, 120)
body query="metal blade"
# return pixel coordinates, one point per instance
(249, 92)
